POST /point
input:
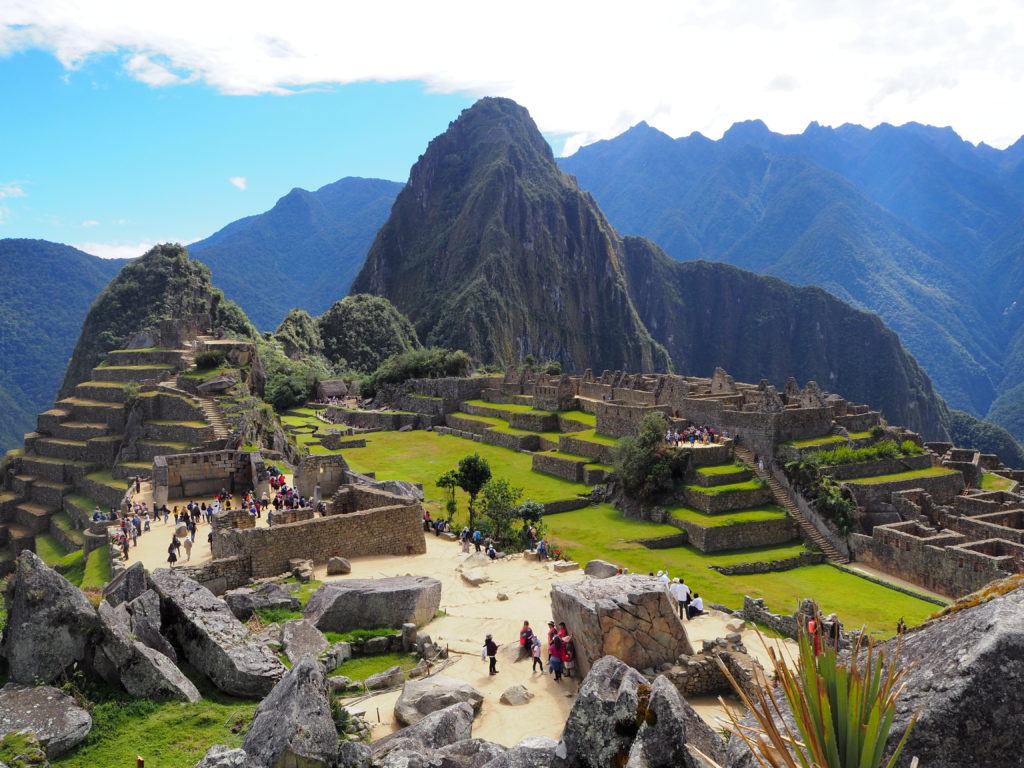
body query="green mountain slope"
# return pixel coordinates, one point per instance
(490, 248)
(45, 291)
(302, 252)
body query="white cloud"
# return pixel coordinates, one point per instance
(117, 250)
(90, 223)
(584, 69)
(239, 181)
(5, 212)
(11, 189)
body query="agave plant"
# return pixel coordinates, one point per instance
(843, 710)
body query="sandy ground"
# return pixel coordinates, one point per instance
(469, 614)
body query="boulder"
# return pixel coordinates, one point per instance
(661, 741)
(531, 752)
(300, 638)
(213, 640)
(389, 678)
(50, 623)
(144, 672)
(600, 569)
(421, 697)
(353, 754)
(376, 646)
(245, 601)
(127, 585)
(219, 756)
(471, 753)
(144, 622)
(561, 566)
(475, 560)
(475, 577)
(629, 617)
(293, 724)
(337, 655)
(516, 696)
(55, 718)
(338, 565)
(301, 569)
(433, 732)
(341, 606)
(502, 597)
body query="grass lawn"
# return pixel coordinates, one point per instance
(70, 564)
(97, 569)
(103, 477)
(722, 469)
(602, 532)
(715, 490)
(360, 668)
(581, 416)
(592, 436)
(913, 475)
(506, 407)
(826, 440)
(990, 482)
(569, 456)
(422, 457)
(754, 515)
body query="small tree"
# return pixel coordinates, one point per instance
(644, 463)
(473, 474)
(449, 481)
(499, 504)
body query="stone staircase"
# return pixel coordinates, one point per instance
(215, 417)
(784, 500)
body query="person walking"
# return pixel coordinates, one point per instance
(535, 650)
(491, 651)
(188, 549)
(172, 553)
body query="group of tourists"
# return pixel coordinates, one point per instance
(561, 651)
(689, 603)
(693, 435)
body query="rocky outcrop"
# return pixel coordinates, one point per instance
(219, 756)
(389, 678)
(56, 719)
(600, 569)
(471, 753)
(629, 617)
(516, 696)
(341, 606)
(144, 622)
(127, 585)
(435, 731)
(293, 725)
(532, 752)
(300, 638)
(245, 601)
(212, 639)
(421, 697)
(144, 673)
(621, 719)
(50, 623)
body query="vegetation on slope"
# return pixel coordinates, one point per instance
(966, 431)
(360, 332)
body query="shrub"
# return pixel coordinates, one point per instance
(427, 363)
(884, 449)
(877, 432)
(644, 464)
(211, 358)
(499, 504)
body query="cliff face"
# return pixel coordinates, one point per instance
(491, 248)
(709, 314)
(164, 282)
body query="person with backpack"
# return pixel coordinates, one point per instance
(477, 538)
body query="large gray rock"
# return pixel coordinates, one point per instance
(50, 623)
(471, 753)
(213, 640)
(219, 756)
(516, 696)
(245, 601)
(353, 754)
(144, 673)
(475, 577)
(600, 569)
(389, 678)
(55, 718)
(300, 638)
(436, 730)
(338, 566)
(531, 752)
(618, 718)
(629, 617)
(421, 697)
(341, 606)
(293, 725)
(127, 585)
(144, 622)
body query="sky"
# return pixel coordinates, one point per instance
(126, 123)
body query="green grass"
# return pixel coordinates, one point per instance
(362, 667)
(915, 474)
(358, 634)
(826, 440)
(97, 569)
(568, 456)
(305, 590)
(581, 416)
(165, 734)
(167, 444)
(715, 490)
(491, 421)
(103, 477)
(722, 469)
(422, 457)
(70, 564)
(753, 515)
(860, 435)
(63, 521)
(507, 407)
(299, 421)
(592, 436)
(173, 423)
(277, 615)
(602, 532)
(598, 465)
(990, 482)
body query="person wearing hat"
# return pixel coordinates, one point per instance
(491, 650)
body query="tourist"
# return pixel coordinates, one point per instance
(663, 576)
(124, 548)
(569, 655)
(145, 522)
(556, 664)
(491, 551)
(542, 550)
(812, 630)
(172, 552)
(188, 549)
(526, 635)
(270, 518)
(465, 543)
(97, 515)
(535, 650)
(681, 594)
(491, 653)
(696, 606)
(477, 538)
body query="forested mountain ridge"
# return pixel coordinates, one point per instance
(45, 291)
(910, 222)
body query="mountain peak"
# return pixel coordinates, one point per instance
(747, 130)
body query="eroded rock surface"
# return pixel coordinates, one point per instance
(421, 697)
(300, 638)
(245, 601)
(55, 718)
(600, 569)
(341, 606)
(436, 730)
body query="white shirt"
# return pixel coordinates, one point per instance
(698, 603)
(665, 579)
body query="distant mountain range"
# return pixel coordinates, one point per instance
(910, 222)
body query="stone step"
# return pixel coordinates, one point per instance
(34, 517)
(50, 494)
(21, 484)
(125, 373)
(79, 430)
(103, 391)
(55, 470)
(75, 450)
(51, 419)
(16, 534)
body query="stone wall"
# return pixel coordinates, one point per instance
(192, 475)
(372, 420)
(741, 535)
(455, 388)
(566, 505)
(1007, 525)
(881, 467)
(717, 503)
(597, 451)
(508, 440)
(327, 472)
(396, 530)
(771, 566)
(943, 489)
(219, 576)
(559, 467)
(820, 524)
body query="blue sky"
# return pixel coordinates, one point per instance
(126, 123)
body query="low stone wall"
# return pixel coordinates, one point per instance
(559, 467)
(327, 472)
(596, 451)
(860, 422)
(820, 524)
(534, 422)
(396, 530)
(717, 503)
(741, 535)
(385, 420)
(770, 566)
(665, 542)
(507, 440)
(755, 610)
(455, 388)
(710, 481)
(942, 488)
(220, 575)
(465, 424)
(429, 406)
(875, 468)
(566, 505)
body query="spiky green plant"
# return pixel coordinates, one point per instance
(843, 710)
